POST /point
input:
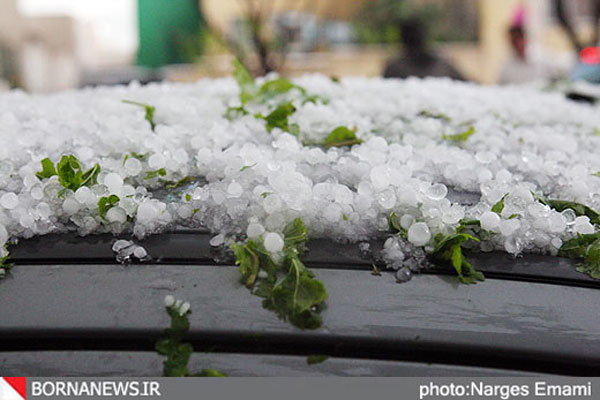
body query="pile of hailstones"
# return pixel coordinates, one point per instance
(246, 181)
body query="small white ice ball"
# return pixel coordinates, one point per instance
(273, 242)
(419, 234)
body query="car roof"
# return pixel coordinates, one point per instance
(68, 294)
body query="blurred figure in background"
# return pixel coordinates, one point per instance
(415, 58)
(520, 68)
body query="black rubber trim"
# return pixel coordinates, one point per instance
(193, 248)
(373, 348)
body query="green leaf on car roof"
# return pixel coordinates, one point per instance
(342, 136)
(277, 87)
(171, 344)
(148, 111)
(499, 206)
(448, 250)
(251, 92)
(155, 173)
(181, 182)
(5, 265)
(245, 167)
(578, 208)
(48, 169)
(235, 112)
(316, 359)
(434, 115)
(278, 118)
(314, 99)
(395, 227)
(210, 373)
(106, 203)
(178, 353)
(289, 288)
(298, 297)
(585, 248)
(460, 137)
(70, 173)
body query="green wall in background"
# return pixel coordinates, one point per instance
(167, 29)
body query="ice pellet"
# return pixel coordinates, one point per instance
(437, 191)
(489, 220)
(83, 194)
(217, 240)
(169, 300)
(273, 242)
(113, 181)
(9, 200)
(140, 253)
(404, 274)
(116, 214)
(235, 189)
(419, 234)
(121, 244)
(71, 206)
(255, 230)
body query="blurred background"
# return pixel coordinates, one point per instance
(49, 45)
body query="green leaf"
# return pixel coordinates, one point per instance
(578, 246)
(448, 250)
(175, 184)
(90, 177)
(140, 156)
(156, 173)
(395, 227)
(314, 99)
(245, 81)
(264, 195)
(148, 109)
(375, 271)
(69, 172)
(587, 249)
(429, 114)
(277, 87)
(460, 137)
(457, 259)
(178, 353)
(295, 237)
(580, 209)
(245, 167)
(468, 223)
(48, 169)
(106, 203)
(188, 197)
(235, 112)
(211, 373)
(316, 359)
(297, 297)
(499, 206)
(249, 91)
(341, 136)
(278, 118)
(249, 264)
(4, 264)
